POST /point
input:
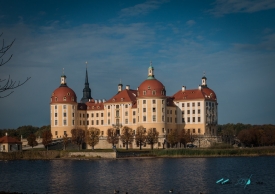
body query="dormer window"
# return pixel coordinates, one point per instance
(56, 98)
(144, 92)
(72, 98)
(68, 94)
(64, 98)
(114, 99)
(149, 88)
(154, 92)
(121, 99)
(93, 107)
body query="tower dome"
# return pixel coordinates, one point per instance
(151, 87)
(63, 94)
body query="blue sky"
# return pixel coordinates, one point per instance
(232, 41)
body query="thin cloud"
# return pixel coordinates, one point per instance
(141, 9)
(223, 7)
(190, 22)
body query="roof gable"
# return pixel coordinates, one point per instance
(10, 140)
(124, 96)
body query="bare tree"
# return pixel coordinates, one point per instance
(7, 84)
(152, 137)
(112, 136)
(65, 141)
(32, 140)
(78, 136)
(140, 136)
(47, 138)
(184, 137)
(173, 137)
(92, 136)
(127, 136)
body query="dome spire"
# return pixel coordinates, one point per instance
(87, 89)
(63, 79)
(203, 81)
(151, 71)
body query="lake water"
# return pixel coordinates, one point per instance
(155, 175)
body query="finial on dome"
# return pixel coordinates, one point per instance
(63, 79)
(86, 64)
(151, 72)
(203, 80)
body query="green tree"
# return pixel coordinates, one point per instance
(127, 136)
(26, 130)
(92, 136)
(173, 137)
(32, 140)
(152, 137)
(112, 136)
(78, 136)
(47, 138)
(140, 136)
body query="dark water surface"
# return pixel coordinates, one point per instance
(157, 175)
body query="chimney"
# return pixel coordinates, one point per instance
(127, 87)
(199, 87)
(183, 88)
(6, 134)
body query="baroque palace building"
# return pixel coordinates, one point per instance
(195, 110)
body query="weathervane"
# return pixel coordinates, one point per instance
(86, 64)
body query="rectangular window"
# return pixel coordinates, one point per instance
(134, 113)
(65, 122)
(182, 120)
(97, 123)
(199, 119)
(162, 102)
(182, 112)
(167, 119)
(80, 115)
(101, 114)
(144, 101)
(144, 109)
(117, 121)
(167, 111)
(188, 119)
(117, 106)
(188, 104)
(144, 118)
(92, 122)
(87, 122)
(56, 133)
(193, 104)
(126, 113)
(55, 122)
(126, 106)
(96, 114)
(199, 130)
(162, 110)
(170, 111)
(171, 119)
(55, 114)
(199, 111)
(194, 119)
(73, 122)
(163, 130)
(199, 104)
(87, 115)
(154, 101)
(117, 113)
(83, 115)
(188, 111)
(92, 115)
(102, 133)
(108, 107)
(108, 121)
(154, 118)
(55, 107)
(154, 109)
(79, 122)
(64, 114)
(175, 112)
(108, 114)
(162, 118)
(102, 122)
(193, 111)
(182, 105)
(64, 106)
(176, 120)
(134, 120)
(73, 114)
(194, 130)
(126, 121)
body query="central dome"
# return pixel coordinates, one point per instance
(151, 87)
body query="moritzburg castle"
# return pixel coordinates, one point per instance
(194, 110)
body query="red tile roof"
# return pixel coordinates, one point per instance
(204, 93)
(10, 140)
(93, 105)
(124, 96)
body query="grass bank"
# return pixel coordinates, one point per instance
(213, 152)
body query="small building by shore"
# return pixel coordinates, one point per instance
(10, 144)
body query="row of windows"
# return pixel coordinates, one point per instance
(193, 111)
(64, 107)
(64, 122)
(193, 104)
(193, 119)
